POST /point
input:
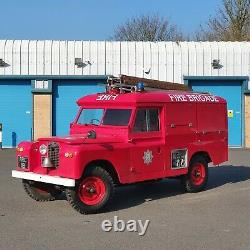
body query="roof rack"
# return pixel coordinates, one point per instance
(115, 85)
(124, 84)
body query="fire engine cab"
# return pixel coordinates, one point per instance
(127, 136)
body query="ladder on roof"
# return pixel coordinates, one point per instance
(125, 83)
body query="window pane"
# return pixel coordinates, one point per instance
(140, 121)
(116, 117)
(147, 120)
(90, 116)
(153, 115)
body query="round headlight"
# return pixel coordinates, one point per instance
(43, 149)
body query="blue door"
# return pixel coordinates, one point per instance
(15, 111)
(65, 95)
(232, 92)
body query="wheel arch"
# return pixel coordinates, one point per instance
(105, 164)
(203, 154)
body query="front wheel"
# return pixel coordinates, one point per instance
(40, 191)
(197, 177)
(92, 193)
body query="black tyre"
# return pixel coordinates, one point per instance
(40, 191)
(197, 177)
(92, 192)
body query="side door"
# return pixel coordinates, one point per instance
(147, 143)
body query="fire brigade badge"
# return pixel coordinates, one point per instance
(148, 157)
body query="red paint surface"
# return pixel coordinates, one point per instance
(193, 121)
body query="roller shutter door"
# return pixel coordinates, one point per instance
(15, 111)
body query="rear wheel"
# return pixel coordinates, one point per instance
(40, 191)
(93, 192)
(196, 179)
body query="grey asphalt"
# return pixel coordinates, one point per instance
(218, 218)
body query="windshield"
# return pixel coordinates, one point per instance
(113, 117)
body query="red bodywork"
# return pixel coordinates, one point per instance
(190, 122)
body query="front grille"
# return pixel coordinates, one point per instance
(53, 153)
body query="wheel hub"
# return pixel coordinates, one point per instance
(92, 190)
(198, 174)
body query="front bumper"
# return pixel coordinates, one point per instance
(44, 178)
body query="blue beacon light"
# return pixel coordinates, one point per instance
(140, 86)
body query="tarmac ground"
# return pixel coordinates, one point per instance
(217, 218)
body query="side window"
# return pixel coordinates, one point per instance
(140, 121)
(147, 120)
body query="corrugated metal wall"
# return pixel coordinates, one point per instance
(162, 60)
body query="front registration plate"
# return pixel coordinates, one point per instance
(23, 162)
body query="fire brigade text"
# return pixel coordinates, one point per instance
(193, 98)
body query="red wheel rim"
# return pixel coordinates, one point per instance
(92, 190)
(198, 174)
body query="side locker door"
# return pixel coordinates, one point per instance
(181, 127)
(147, 144)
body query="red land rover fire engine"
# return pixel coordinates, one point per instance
(121, 137)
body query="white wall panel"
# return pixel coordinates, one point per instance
(24, 57)
(9, 57)
(116, 58)
(167, 61)
(40, 58)
(86, 57)
(207, 59)
(237, 59)
(245, 50)
(48, 57)
(55, 58)
(230, 59)
(101, 63)
(78, 54)
(170, 61)
(16, 70)
(71, 58)
(147, 60)
(199, 58)
(63, 46)
(94, 58)
(113, 58)
(162, 61)
(222, 48)
(214, 56)
(32, 57)
(155, 61)
(2, 54)
(177, 62)
(192, 69)
(185, 58)
(139, 59)
(125, 58)
(131, 58)
(109, 58)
